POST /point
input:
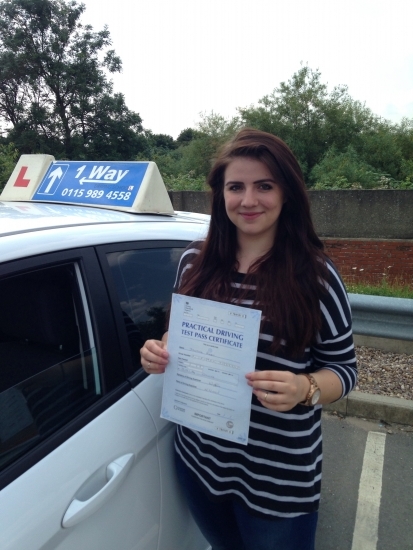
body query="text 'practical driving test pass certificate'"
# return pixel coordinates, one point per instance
(211, 347)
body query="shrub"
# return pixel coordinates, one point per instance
(347, 170)
(185, 182)
(8, 158)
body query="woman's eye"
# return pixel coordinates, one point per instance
(234, 187)
(265, 186)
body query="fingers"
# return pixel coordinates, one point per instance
(271, 381)
(154, 357)
(276, 390)
(270, 375)
(275, 401)
(268, 385)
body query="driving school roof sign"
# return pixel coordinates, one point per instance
(131, 186)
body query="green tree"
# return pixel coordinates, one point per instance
(344, 170)
(186, 166)
(404, 137)
(349, 170)
(213, 131)
(309, 118)
(403, 134)
(54, 92)
(8, 158)
(162, 149)
(162, 142)
(187, 135)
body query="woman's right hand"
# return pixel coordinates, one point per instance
(154, 356)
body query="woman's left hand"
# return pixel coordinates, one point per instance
(278, 390)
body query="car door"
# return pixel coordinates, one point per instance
(79, 464)
(140, 277)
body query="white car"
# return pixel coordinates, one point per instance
(86, 462)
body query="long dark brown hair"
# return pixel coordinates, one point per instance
(288, 276)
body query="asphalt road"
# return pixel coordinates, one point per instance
(367, 491)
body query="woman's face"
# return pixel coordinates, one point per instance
(253, 199)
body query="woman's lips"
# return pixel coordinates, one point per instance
(250, 215)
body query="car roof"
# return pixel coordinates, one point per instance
(28, 228)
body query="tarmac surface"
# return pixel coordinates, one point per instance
(367, 486)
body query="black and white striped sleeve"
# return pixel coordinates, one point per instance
(334, 349)
(185, 262)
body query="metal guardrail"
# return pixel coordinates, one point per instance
(381, 316)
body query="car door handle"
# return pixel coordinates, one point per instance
(116, 472)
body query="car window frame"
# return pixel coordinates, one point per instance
(134, 377)
(114, 384)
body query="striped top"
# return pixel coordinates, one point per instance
(279, 472)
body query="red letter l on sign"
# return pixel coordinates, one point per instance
(20, 181)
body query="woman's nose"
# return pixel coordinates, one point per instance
(249, 197)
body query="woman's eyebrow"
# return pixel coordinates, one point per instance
(265, 180)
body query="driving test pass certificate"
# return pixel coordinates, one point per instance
(211, 347)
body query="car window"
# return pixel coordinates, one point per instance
(48, 366)
(144, 279)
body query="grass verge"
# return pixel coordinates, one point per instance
(393, 289)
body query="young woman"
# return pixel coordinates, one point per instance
(261, 251)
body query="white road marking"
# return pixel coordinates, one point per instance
(366, 528)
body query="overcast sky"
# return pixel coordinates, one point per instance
(184, 57)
